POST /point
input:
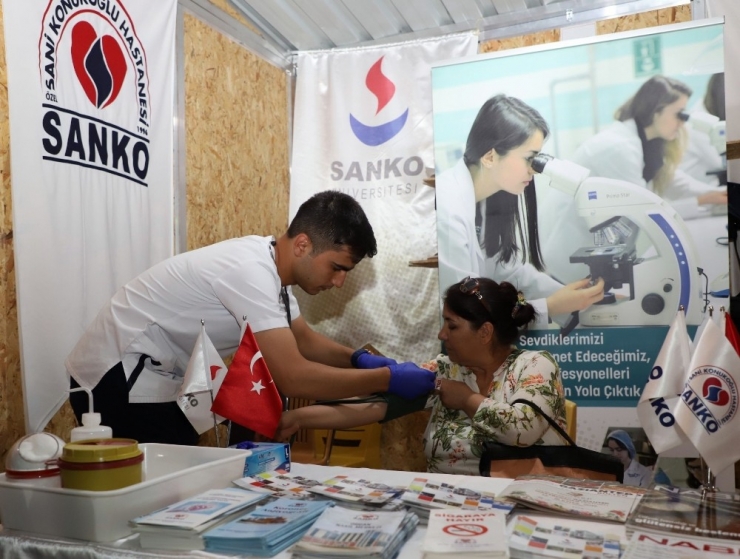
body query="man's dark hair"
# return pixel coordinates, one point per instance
(333, 220)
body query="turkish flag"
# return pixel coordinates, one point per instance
(731, 332)
(247, 395)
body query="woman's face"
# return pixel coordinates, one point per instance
(666, 123)
(513, 172)
(461, 340)
(619, 452)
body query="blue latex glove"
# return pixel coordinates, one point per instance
(409, 381)
(363, 359)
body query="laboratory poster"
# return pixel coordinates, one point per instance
(624, 136)
(90, 91)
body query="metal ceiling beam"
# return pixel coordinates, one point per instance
(423, 14)
(236, 31)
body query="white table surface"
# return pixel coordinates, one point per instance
(18, 545)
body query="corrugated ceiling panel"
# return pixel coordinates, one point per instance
(423, 14)
(508, 6)
(338, 23)
(463, 10)
(290, 21)
(380, 18)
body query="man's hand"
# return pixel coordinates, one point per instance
(287, 427)
(410, 381)
(363, 359)
(576, 296)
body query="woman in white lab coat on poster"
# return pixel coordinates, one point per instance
(496, 168)
(643, 147)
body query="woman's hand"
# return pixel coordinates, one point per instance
(712, 197)
(576, 296)
(454, 394)
(288, 426)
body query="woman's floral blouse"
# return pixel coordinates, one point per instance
(453, 441)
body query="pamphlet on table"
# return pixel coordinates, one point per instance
(471, 533)
(670, 510)
(343, 532)
(553, 537)
(597, 500)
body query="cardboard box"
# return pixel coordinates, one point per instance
(265, 457)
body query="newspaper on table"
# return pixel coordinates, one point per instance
(423, 495)
(356, 492)
(267, 530)
(600, 500)
(553, 537)
(644, 545)
(343, 532)
(470, 533)
(279, 484)
(684, 512)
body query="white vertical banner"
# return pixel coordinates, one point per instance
(363, 126)
(90, 87)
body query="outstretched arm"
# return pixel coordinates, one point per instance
(329, 417)
(319, 348)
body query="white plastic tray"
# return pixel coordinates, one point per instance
(170, 472)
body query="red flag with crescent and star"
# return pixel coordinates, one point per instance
(248, 396)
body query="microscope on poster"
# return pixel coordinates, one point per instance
(641, 248)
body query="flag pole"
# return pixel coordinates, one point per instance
(708, 479)
(210, 383)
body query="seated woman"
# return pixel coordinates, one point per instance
(482, 372)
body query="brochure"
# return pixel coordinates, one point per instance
(199, 510)
(670, 510)
(552, 537)
(644, 545)
(279, 484)
(471, 533)
(423, 494)
(266, 530)
(355, 490)
(600, 500)
(341, 532)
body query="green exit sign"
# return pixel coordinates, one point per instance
(647, 56)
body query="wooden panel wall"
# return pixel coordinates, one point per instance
(402, 439)
(236, 171)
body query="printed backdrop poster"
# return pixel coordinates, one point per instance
(363, 126)
(90, 86)
(656, 244)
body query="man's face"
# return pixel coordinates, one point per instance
(318, 272)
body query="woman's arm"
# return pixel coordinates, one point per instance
(535, 377)
(343, 416)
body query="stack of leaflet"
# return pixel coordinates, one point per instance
(452, 533)
(267, 530)
(424, 495)
(359, 494)
(342, 532)
(279, 484)
(181, 525)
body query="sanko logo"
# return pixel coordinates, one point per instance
(93, 69)
(384, 90)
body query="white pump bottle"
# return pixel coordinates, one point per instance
(91, 427)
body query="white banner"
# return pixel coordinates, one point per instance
(90, 87)
(363, 125)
